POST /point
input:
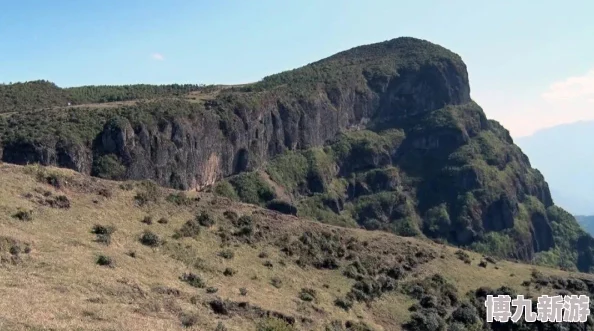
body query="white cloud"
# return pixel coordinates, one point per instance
(572, 88)
(523, 113)
(158, 57)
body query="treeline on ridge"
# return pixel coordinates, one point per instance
(41, 94)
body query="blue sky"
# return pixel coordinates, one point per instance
(530, 62)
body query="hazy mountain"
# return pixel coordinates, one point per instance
(565, 157)
(587, 222)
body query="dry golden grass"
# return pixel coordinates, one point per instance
(58, 285)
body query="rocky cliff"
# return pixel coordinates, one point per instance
(241, 129)
(406, 150)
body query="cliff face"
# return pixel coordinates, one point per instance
(241, 130)
(406, 150)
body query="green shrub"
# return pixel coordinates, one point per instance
(227, 254)
(188, 320)
(190, 229)
(23, 215)
(463, 256)
(231, 215)
(101, 229)
(127, 186)
(205, 219)
(225, 189)
(229, 272)
(193, 280)
(108, 167)
(180, 199)
(307, 294)
(149, 193)
(251, 188)
(105, 261)
(150, 239)
(148, 220)
(274, 324)
(344, 303)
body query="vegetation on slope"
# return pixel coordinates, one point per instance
(27, 96)
(101, 263)
(451, 176)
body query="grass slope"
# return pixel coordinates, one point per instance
(56, 274)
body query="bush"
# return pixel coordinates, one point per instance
(60, 201)
(105, 261)
(148, 220)
(463, 256)
(428, 321)
(307, 294)
(163, 220)
(251, 188)
(274, 324)
(103, 233)
(205, 219)
(23, 215)
(225, 189)
(212, 290)
(127, 186)
(150, 239)
(357, 326)
(229, 272)
(465, 314)
(149, 192)
(220, 327)
(108, 167)
(227, 254)
(180, 199)
(344, 303)
(105, 192)
(188, 320)
(193, 280)
(231, 215)
(243, 291)
(190, 229)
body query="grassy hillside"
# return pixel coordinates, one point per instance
(80, 253)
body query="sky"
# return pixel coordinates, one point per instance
(530, 63)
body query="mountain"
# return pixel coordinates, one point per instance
(562, 155)
(378, 137)
(587, 222)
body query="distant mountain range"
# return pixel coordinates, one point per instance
(587, 222)
(565, 157)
